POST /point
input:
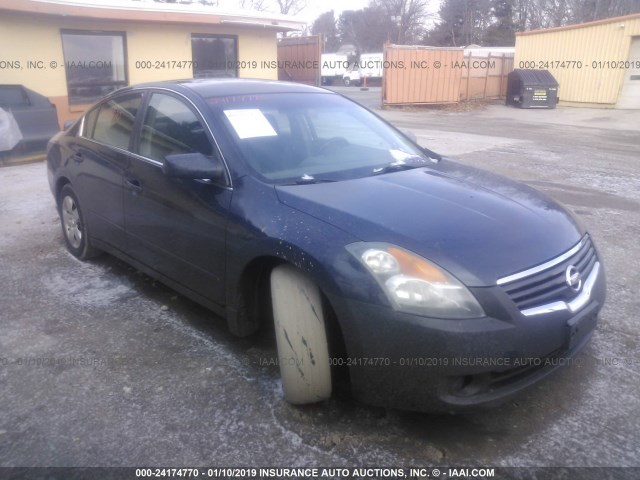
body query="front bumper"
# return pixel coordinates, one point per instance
(427, 364)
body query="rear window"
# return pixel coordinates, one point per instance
(114, 121)
(170, 127)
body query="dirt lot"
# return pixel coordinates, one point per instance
(100, 365)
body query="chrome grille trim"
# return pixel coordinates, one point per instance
(544, 266)
(575, 304)
(543, 289)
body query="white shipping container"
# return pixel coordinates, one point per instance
(332, 66)
(370, 65)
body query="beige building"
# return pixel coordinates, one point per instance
(597, 64)
(74, 53)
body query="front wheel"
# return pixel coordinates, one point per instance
(74, 228)
(347, 81)
(303, 351)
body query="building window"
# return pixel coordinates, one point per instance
(95, 64)
(214, 55)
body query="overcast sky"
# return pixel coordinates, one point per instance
(317, 7)
(312, 11)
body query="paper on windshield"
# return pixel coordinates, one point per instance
(250, 123)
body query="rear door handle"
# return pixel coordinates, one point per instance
(77, 157)
(134, 184)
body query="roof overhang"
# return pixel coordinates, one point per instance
(151, 12)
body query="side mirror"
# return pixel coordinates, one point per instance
(194, 166)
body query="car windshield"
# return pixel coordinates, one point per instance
(312, 137)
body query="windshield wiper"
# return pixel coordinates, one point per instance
(407, 163)
(309, 180)
(396, 167)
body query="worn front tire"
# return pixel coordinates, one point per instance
(303, 351)
(74, 228)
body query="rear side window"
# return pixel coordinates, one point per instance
(114, 121)
(171, 127)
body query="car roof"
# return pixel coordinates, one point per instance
(216, 87)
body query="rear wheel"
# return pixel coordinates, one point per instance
(347, 81)
(74, 228)
(303, 352)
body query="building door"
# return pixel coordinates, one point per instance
(630, 96)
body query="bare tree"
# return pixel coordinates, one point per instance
(408, 16)
(325, 25)
(286, 7)
(556, 13)
(367, 29)
(257, 5)
(291, 7)
(588, 10)
(494, 22)
(462, 22)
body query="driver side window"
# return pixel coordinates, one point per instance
(170, 127)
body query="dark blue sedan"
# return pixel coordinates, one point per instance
(424, 283)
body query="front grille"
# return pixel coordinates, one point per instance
(549, 285)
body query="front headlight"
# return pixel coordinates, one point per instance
(415, 285)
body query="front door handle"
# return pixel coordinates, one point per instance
(134, 184)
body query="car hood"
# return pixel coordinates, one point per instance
(477, 225)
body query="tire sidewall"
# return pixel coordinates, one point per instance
(82, 252)
(301, 332)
